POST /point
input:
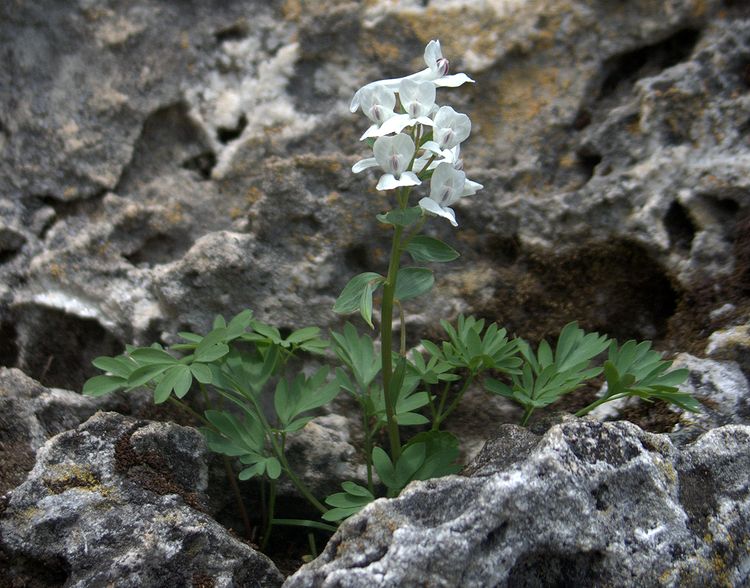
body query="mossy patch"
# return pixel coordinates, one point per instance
(75, 476)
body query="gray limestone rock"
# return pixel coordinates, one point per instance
(610, 143)
(30, 414)
(121, 501)
(585, 503)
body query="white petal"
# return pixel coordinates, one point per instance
(453, 81)
(433, 207)
(395, 124)
(409, 178)
(432, 147)
(364, 164)
(446, 184)
(432, 53)
(394, 153)
(471, 188)
(387, 182)
(370, 132)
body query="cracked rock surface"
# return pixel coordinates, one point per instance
(584, 503)
(121, 500)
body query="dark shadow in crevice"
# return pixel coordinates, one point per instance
(159, 249)
(227, 134)
(357, 258)
(680, 227)
(587, 162)
(234, 32)
(202, 164)
(8, 345)
(622, 71)
(169, 139)
(56, 348)
(613, 287)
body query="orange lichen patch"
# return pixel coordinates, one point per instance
(699, 8)
(236, 212)
(328, 164)
(253, 195)
(291, 10)
(523, 93)
(175, 214)
(451, 25)
(56, 271)
(184, 40)
(75, 476)
(387, 52)
(333, 197)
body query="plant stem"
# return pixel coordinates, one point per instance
(368, 450)
(300, 485)
(527, 415)
(270, 511)
(386, 342)
(227, 468)
(192, 413)
(584, 411)
(238, 497)
(454, 403)
(402, 329)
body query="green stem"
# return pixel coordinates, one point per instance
(238, 497)
(527, 415)
(452, 406)
(227, 468)
(386, 341)
(270, 511)
(584, 411)
(368, 450)
(193, 413)
(204, 392)
(402, 329)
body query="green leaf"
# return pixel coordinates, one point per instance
(207, 354)
(410, 460)
(356, 490)
(201, 372)
(151, 355)
(100, 385)
(305, 334)
(412, 282)
(424, 248)
(365, 303)
(351, 296)
(147, 373)
(117, 366)
(401, 218)
(384, 468)
(273, 468)
(254, 470)
(177, 378)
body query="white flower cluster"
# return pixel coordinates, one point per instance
(403, 114)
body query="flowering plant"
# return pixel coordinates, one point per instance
(414, 141)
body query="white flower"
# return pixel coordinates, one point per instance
(448, 185)
(378, 104)
(438, 156)
(418, 99)
(394, 155)
(436, 72)
(449, 129)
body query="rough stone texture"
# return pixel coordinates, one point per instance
(586, 503)
(119, 500)
(30, 414)
(163, 164)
